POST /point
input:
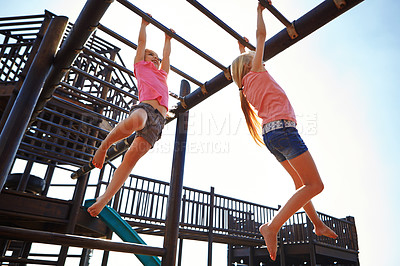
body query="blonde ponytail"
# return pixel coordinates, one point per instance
(253, 124)
(239, 69)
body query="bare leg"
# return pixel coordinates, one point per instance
(312, 186)
(138, 148)
(319, 226)
(136, 121)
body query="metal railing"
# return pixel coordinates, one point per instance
(17, 35)
(142, 202)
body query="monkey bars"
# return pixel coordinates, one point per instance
(305, 25)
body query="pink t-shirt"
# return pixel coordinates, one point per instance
(151, 83)
(267, 97)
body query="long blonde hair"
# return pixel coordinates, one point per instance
(239, 68)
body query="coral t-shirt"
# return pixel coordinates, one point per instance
(151, 83)
(267, 97)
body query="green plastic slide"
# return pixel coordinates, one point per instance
(118, 225)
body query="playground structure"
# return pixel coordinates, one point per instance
(67, 98)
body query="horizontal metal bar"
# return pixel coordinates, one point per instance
(41, 152)
(134, 46)
(75, 120)
(276, 13)
(55, 145)
(21, 29)
(16, 45)
(104, 83)
(100, 101)
(85, 110)
(33, 156)
(139, 12)
(220, 23)
(77, 241)
(108, 61)
(22, 17)
(69, 129)
(55, 135)
(22, 261)
(20, 23)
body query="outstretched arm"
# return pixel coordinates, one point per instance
(261, 34)
(165, 63)
(141, 47)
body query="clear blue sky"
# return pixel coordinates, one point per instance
(343, 82)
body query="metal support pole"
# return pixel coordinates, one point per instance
(176, 185)
(311, 244)
(211, 226)
(77, 199)
(21, 112)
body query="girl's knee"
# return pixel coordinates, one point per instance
(315, 188)
(318, 187)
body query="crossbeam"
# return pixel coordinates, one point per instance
(222, 24)
(77, 241)
(160, 26)
(308, 23)
(134, 46)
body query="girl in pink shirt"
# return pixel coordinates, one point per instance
(146, 118)
(262, 97)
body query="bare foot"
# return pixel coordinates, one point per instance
(96, 208)
(99, 157)
(324, 230)
(270, 239)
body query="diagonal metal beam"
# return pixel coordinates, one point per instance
(85, 24)
(160, 26)
(220, 23)
(134, 46)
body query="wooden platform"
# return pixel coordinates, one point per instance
(30, 211)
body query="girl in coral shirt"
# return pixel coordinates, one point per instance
(259, 90)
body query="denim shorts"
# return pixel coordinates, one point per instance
(285, 143)
(154, 124)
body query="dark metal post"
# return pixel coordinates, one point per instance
(23, 182)
(21, 112)
(311, 237)
(181, 238)
(77, 200)
(176, 185)
(48, 177)
(251, 256)
(211, 226)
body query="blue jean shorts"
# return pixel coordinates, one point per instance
(285, 143)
